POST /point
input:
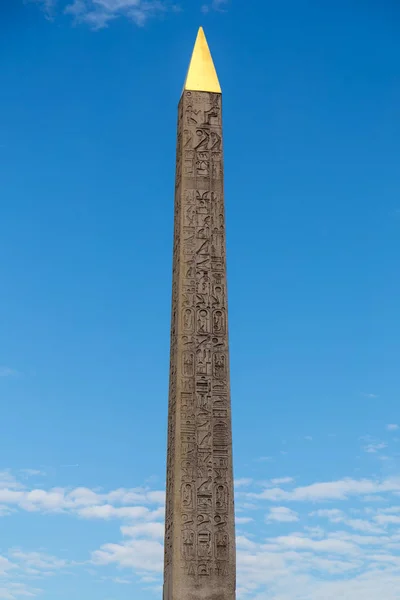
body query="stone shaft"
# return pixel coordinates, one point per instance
(200, 556)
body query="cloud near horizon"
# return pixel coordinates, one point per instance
(351, 552)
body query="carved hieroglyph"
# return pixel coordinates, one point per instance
(199, 532)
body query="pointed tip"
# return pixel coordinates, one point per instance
(202, 76)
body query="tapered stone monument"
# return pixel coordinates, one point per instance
(200, 557)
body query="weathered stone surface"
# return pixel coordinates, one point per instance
(200, 559)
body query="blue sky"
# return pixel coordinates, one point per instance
(88, 96)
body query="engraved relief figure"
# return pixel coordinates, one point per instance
(221, 545)
(187, 385)
(218, 344)
(203, 164)
(204, 232)
(220, 402)
(216, 141)
(203, 569)
(188, 544)
(187, 402)
(191, 115)
(187, 519)
(216, 165)
(220, 474)
(218, 278)
(189, 215)
(189, 269)
(212, 116)
(187, 496)
(203, 402)
(203, 322)
(221, 569)
(190, 196)
(219, 365)
(204, 503)
(201, 362)
(188, 240)
(206, 487)
(204, 545)
(187, 340)
(188, 470)
(219, 322)
(188, 445)
(220, 521)
(203, 433)
(203, 247)
(203, 201)
(221, 498)
(188, 363)
(204, 138)
(203, 289)
(190, 569)
(218, 297)
(188, 162)
(220, 438)
(202, 385)
(218, 248)
(188, 320)
(187, 138)
(203, 519)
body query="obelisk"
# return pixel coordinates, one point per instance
(200, 556)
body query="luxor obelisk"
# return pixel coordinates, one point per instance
(200, 557)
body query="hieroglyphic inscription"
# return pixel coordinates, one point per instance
(199, 479)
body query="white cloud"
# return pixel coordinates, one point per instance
(38, 560)
(388, 519)
(338, 516)
(282, 515)
(146, 555)
(334, 515)
(392, 427)
(374, 447)
(217, 5)
(100, 13)
(348, 551)
(151, 530)
(330, 490)
(243, 520)
(282, 480)
(243, 482)
(20, 567)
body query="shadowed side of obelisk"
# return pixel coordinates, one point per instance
(200, 559)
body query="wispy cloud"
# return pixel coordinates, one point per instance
(369, 395)
(243, 482)
(311, 554)
(98, 14)
(373, 446)
(281, 514)
(32, 472)
(281, 480)
(342, 489)
(392, 427)
(217, 5)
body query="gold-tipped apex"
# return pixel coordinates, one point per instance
(202, 76)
